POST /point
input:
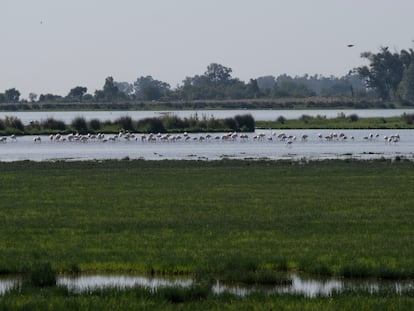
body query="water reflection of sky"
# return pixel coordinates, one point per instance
(300, 285)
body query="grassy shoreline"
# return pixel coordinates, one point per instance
(341, 122)
(173, 124)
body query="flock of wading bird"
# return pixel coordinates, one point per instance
(126, 136)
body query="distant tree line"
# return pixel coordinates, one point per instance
(389, 76)
(309, 86)
(216, 83)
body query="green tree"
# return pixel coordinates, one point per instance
(32, 97)
(77, 93)
(147, 88)
(406, 87)
(218, 74)
(385, 71)
(195, 88)
(125, 88)
(110, 91)
(288, 88)
(215, 83)
(12, 95)
(49, 97)
(253, 90)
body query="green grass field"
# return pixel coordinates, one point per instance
(326, 217)
(345, 218)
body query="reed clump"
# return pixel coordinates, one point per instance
(41, 274)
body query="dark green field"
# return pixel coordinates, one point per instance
(352, 219)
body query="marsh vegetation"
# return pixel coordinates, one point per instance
(170, 123)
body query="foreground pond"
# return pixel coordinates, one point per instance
(319, 144)
(309, 287)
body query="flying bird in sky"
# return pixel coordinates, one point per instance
(350, 45)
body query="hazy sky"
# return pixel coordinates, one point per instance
(51, 46)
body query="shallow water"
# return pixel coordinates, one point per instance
(269, 147)
(310, 287)
(84, 282)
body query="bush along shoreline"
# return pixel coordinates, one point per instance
(342, 121)
(165, 124)
(170, 123)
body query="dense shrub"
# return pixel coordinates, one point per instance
(182, 295)
(14, 122)
(125, 123)
(95, 124)
(408, 118)
(230, 124)
(281, 119)
(42, 275)
(353, 117)
(245, 122)
(151, 125)
(174, 122)
(80, 125)
(305, 118)
(53, 124)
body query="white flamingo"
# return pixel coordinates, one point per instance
(37, 139)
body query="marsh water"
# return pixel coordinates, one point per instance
(309, 287)
(354, 143)
(319, 144)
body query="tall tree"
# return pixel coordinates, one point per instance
(218, 74)
(406, 87)
(253, 90)
(12, 95)
(215, 83)
(110, 91)
(385, 70)
(32, 97)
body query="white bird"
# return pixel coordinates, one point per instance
(37, 139)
